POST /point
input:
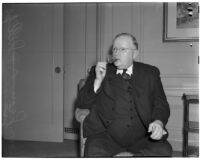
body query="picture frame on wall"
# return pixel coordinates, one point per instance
(181, 22)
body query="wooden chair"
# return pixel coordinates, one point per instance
(80, 115)
(189, 126)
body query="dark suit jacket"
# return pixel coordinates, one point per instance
(148, 94)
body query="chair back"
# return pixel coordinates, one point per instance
(81, 83)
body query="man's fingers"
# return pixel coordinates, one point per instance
(100, 70)
(157, 133)
(157, 130)
(164, 132)
(102, 64)
(101, 67)
(150, 128)
(154, 133)
(157, 137)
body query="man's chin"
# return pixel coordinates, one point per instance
(117, 65)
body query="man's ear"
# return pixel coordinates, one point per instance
(135, 53)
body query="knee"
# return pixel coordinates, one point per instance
(95, 148)
(165, 149)
(90, 147)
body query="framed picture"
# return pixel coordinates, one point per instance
(181, 22)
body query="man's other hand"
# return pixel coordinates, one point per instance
(100, 71)
(157, 130)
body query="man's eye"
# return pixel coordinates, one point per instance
(122, 49)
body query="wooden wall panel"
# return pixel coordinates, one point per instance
(122, 17)
(74, 57)
(79, 55)
(106, 33)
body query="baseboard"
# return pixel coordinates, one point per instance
(71, 133)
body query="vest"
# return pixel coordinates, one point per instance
(127, 128)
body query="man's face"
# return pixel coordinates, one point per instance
(124, 52)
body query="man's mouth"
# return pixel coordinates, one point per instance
(113, 60)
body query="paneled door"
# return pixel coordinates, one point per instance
(33, 72)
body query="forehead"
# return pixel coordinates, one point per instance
(123, 41)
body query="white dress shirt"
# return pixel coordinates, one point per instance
(129, 70)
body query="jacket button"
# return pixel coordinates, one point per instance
(128, 126)
(113, 109)
(131, 118)
(129, 88)
(131, 109)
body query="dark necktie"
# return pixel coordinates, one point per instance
(125, 75)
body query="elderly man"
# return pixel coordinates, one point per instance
(128, 106)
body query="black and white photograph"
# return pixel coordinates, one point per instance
(100, 79)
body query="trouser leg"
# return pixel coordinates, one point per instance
(149, 147)
(101, 145)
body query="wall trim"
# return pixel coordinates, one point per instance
(179, 76)
(172, 91)
(71, 136)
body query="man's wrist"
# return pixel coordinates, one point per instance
(97, 84)
(159, 122)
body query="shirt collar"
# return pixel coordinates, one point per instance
(129, 70)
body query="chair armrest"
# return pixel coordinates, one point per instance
(80, 114)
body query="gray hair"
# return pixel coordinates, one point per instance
(129, 35)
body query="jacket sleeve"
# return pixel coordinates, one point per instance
(86, 95)
(161, 110)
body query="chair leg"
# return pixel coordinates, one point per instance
(185, 128)
(81, 138)
(82, 142)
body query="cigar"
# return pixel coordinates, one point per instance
(111, 60)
